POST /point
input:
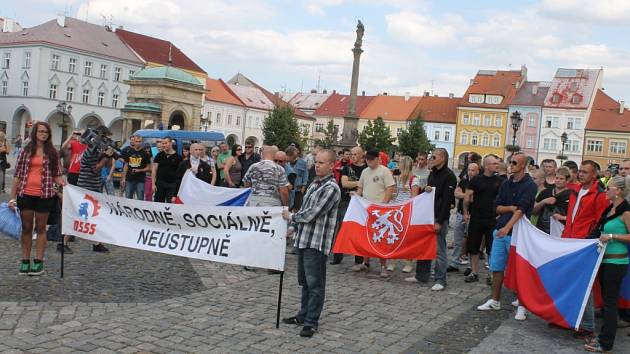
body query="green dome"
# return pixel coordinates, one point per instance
(166, 73)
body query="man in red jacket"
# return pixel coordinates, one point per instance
(585, 209)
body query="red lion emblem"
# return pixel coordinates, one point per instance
(386, 227)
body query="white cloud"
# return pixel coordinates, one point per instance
(318, 7)
(600, 11)
(419, 29)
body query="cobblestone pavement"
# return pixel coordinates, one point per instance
(131, 301)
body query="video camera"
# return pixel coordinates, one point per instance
(99, 139)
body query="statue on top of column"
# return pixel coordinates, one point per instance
(360, 31)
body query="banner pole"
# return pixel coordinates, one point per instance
(279, 300)
(62, 254)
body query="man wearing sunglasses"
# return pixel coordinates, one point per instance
(249, 157)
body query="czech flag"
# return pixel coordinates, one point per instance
(195, 191)
(552, 276)
(397, 231)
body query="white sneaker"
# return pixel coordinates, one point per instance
(463, 261)
(407, 269)
(411, 280)
(359, 267)
(486, 265)
(521, 314)
(490, 305)
(391, 267)
(437, 287)
(515, 303)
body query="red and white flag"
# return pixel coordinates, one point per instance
(395, 231)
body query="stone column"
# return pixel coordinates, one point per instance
(351, 120)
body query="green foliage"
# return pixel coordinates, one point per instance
(281, 128)
(376, 136)
(330, 135)
(414, 139)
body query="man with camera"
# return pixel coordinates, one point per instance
(98, 142)
(76, 148)
(137, 163)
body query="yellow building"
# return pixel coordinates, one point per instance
(607, 132)
(482, 115)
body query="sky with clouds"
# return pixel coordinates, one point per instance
(410, 45)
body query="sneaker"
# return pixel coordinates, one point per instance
(100, 248)
(292, 320)
(595, 347)
(307, 332)
(384, 273)
(463, 260)
(486, 265)
(521, 313)
(37, 268)
(437, 287)
(65, 248)
(471, 278)
(407, 269)
(467, 272)
(583, 334)
(490, 305)
(515, 303)
(452, 269)
(391, 267)
(413, 280)
(25, 268)
(359, 267)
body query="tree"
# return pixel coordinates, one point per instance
(414, 139)
(376, 136)
(330, 135)
(281, 128)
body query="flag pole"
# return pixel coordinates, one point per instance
(62, 254)
(279, 300)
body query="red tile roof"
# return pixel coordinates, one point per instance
(437, 109)
(502, 83)
(156, 50)
(218, 91)
(337, 105)
(570, 82)
(392, 108)
(605, 115)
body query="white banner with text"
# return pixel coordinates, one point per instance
(248, 236)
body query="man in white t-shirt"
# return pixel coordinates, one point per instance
(376, 184)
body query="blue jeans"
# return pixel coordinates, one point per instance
(423, 268)
(458, 238)
(312, 278)
(107, 186)
(134, 187)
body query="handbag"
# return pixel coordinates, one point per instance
(10, 222)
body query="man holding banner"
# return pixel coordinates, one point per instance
(315, 228)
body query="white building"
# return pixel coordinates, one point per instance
(566, 109)
(224, 111)
(64, 60)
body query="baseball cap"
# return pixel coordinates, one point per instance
(371, 154)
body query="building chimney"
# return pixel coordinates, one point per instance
(621, 107)
(451, 95)
(472, 81)
(362, 93)
(426, 93)
(535, 90)
(61, 20)
(277, 94)
(313, 91)
(524, 72)
(517, 85)
(335, 91)
(384, 93)
(325, 92)
(407, 96)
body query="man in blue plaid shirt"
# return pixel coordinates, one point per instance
(315, 228)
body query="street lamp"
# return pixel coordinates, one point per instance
(64, 109)
(516, 124)
(563, 139)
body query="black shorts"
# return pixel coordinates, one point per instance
(477, 229)
(36, 204)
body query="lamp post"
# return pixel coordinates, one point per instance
(516, 124)
(65, 110)
(563, 139)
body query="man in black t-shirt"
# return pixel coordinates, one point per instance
(137, 163)
(164, 172)
(350, 175)
(480, 212)
(460, 225)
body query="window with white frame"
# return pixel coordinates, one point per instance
(574, 123)
(115, 100)
(447, 135)
(475, 98)
(101, 98)
(617, 147)
(550, 144)
(466, 119)
(229, 120)
(27, 60)
(474, 140)
(52, 91)
(88, 68)
(485, 140)
(24, 88)
(54, 64)
(69, 93)
(487, 121)
(4, 87)
(575, 99)
(86, 96)
(257, 122)
(238, 120)
(6, 60)
(463, 139)
(594, 145)
(476, 119)
(496, 141)
(103, 71)
(529, 142)
(131, 72)
(531, 120)
(493, 99)
(498, 122)
(319, 127)
(72, 65)
(117, 72)
(218, 120)
(398, 131)
(436, 135)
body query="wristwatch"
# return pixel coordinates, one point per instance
(610, 237)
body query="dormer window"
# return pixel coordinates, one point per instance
(475, 98)
(493, 99)
(576, 99)
(555, 98)
(573, 87)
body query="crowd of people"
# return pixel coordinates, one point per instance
(489, 197)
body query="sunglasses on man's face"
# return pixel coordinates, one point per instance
(513, 163)
(280, 161)
(248, 147)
